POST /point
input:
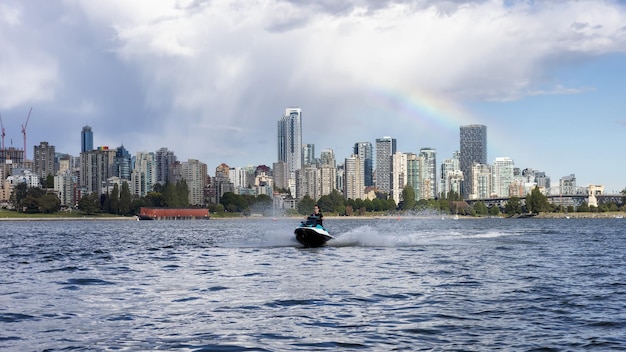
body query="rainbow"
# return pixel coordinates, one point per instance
(433, 113)
(430, 110)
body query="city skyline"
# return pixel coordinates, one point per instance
(199, 79)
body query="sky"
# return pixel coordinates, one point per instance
(210, 79)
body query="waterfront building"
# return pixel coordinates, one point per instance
(481, 181)
(237, 177)
(473, 149)
(398, 175)
(451, 175)
(568, 184)
(385, 149)
(428, 173)
(413, 173)
(503, 176)
(281, 175)
(353, 178)
(95, 169)
(543, 180)
(290, 143)
(44, 160)
(328, 172)
(164, 160)
(308, 182)
(122, 164)
(340, 178)
(364, 151)
(86, 139)
(143, 176)
(221, 183)
(195, 174)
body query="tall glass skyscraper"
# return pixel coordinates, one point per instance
(122, 163)
(86, 139)
(385, 148)
(364, 151)
(473, 149)
(290, 139)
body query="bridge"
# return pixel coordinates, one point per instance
(565, 196)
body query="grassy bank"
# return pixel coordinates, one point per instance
(13, 215)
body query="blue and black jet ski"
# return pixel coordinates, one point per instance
(311, 234)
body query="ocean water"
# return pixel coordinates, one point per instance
(395, 284)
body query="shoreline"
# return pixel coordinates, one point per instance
(586, 215)
(72, 218)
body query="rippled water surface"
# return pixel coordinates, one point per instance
(381, 285)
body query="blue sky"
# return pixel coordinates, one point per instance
(209, 80)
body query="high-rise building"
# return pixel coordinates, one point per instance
(290, 139)
(44, 160)
(280, 175)
(195, 174)
(398, 175)
(502, 171)
(164, 159)
(308, 153)
(364, 151)
(413, 174)
(353, 178)
(327, 158)
(473, 149)
(451, 176)
(143, 176)
(429, 173)
(95, 169)
(328, 172)
(86, 139)
(65, 188)
(481, 185)
(308, 182)
(122, 164)
(385, 149)
(290, 143)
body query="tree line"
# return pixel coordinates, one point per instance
(119, 202)
(176, 195)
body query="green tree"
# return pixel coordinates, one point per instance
(115, 199)
(233, 202)
(49, 203)
(49, 181)
(494, 211)
(182, 194)
(18, 195)
(480, 208)
(513, 206)
(536, 202)
(89, 204)
(125, 200)
(305, 205)
(153, 199)
(408, 198)
(332, 203)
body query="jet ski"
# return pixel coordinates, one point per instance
(311, 234)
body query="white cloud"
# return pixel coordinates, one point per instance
(218, 74)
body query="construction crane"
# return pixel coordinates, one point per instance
(24, 131)
(3, 134)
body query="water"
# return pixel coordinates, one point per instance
(382, 285)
